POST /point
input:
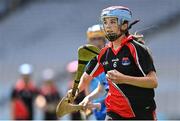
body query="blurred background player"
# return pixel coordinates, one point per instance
(98, 85)
(95, 36)
(23, 95)
(50, 96)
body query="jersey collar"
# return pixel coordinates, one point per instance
(123, 42)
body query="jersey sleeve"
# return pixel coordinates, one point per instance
(94, 67)
(145, 60)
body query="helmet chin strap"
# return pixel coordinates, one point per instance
(113, 36)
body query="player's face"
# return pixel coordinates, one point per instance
(111, 25)
(26, 78)
(98, 42)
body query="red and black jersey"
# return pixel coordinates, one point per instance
(23, 96)
(131, 58)
(52, 97)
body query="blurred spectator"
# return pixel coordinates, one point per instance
(23, 95)
(72, 69)
(50, 94)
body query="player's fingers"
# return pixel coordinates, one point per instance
(82, 104)
(68, 95)
(86, 103)
(89, 105)
(112, 73)
(109, 74)
(115, 71)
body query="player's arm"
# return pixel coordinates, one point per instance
(91, 96)
(84, 81)
(149, 81)
(93, 69)
(95, 93)
(83, 84)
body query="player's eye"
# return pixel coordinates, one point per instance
(104, 22)
(113, 21)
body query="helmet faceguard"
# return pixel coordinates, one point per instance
(112, 37)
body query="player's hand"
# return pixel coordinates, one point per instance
(139, 38)
(85, 102)
(116, 76)
(70, 96)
